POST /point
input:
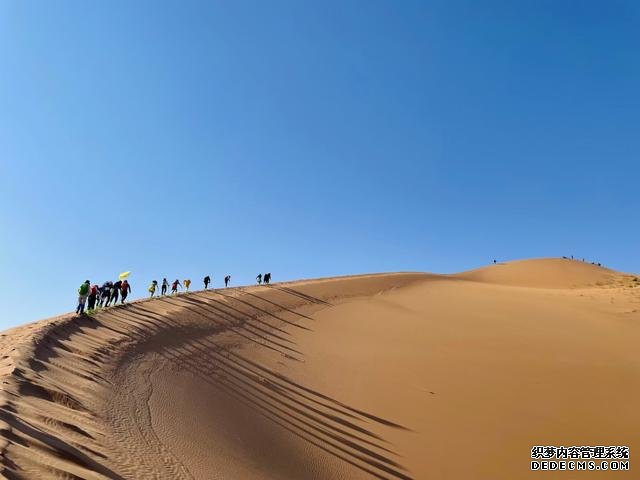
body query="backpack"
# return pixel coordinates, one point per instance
(84, 288)
(94, 290)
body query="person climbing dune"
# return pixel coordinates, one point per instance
(227, 279)
(152, 287)
(83, 293)
(259, 278)
(207, 281)
(175, 285)
(125, 289)
(186, 284)
(105, 294)
(115, 292)
(93, 297)
(165, 286)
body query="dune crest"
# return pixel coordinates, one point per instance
(545, 273)
(371, 376)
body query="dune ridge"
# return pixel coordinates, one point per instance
(370, 376)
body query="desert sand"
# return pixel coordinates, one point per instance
(391, 376)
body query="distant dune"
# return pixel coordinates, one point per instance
(546, 273)
(390, 376)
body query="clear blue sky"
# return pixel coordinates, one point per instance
(309, 139)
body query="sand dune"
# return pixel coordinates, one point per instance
(393, 376)
(548, 273)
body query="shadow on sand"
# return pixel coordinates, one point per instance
(336, 428)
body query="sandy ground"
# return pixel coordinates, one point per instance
(393, 376)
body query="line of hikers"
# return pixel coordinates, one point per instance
(109, 292)
(174, 286)
(102, 296)
(592, 263)
(164, 286)
(266, 278)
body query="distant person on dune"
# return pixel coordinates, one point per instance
(165, 286)
(125, 289)
(227, 279)
(115, 292)
(174, 286)
(93, 297)
(267, 278)
(186, 284)
(259, 278)
(206, 281)
(83, 293)
(152, 288)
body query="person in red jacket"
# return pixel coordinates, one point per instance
(174, 286)
(93, 296)
(125, 289)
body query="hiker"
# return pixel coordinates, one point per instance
(227, 279)
(174, 286)
(152, 287)
(186, 284)
(93, 296)
(125, 289)
(259, 278)
(267, 278)
(83, 293)
(494, 261)
(105, 293)
(206, 281)
(165, 285)
(115, 292)
(112, 293)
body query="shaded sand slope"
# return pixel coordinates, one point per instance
(381, 376)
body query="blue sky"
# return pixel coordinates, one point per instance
(176, 139)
